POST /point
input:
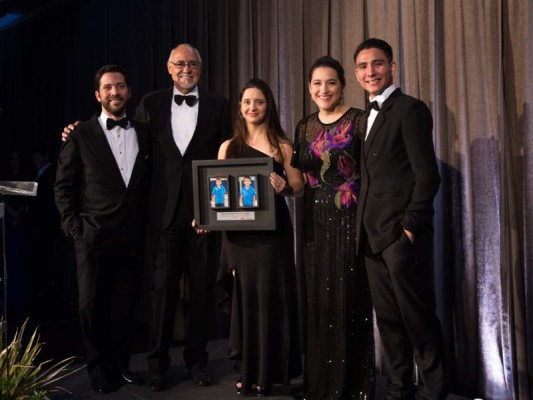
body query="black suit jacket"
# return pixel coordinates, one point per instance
(171, 179)
(91, 195)
(399, 173)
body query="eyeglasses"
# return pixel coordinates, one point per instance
(183, 64)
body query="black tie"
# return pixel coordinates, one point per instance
(111, 123)
(373, 105)
(190, 100)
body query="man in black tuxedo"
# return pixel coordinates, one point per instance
(186, 123)
(399, 179)
(100, 191)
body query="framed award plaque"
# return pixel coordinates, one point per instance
(234, 194)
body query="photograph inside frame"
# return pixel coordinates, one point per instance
(248, 191)
(219, 196)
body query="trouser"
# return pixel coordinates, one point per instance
(109, 289)
(400, 279)
(175, 250)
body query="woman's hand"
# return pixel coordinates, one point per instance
(278, 182)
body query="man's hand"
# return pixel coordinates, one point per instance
(67, 130)
(198, 230)
(410, 235)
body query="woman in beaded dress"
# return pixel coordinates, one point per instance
(336, 307)
(257, 267)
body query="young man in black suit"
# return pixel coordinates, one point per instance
(100, 191)
(399, 180)
(186, 123)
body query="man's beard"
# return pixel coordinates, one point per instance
(117, 112)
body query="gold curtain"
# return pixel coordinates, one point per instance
(472, 63)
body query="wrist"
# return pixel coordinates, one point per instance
(287, 191)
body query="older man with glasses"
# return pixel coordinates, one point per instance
(186, 123)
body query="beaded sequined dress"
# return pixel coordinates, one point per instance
(336, 305)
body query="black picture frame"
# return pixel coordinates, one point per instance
(262, 216)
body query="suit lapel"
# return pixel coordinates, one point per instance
(142, 155)
(205, 106)
(164, 108)
(379, 121)
(100, 146)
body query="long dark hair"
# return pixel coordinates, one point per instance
(275, 133)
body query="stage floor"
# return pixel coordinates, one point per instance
(180, 385)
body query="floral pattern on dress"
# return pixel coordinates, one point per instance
(327, 141)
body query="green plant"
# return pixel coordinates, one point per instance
(20, 379)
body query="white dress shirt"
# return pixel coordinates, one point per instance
(124, 146)
(380, 98)
(183, 119)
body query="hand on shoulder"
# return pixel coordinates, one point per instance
(67, 130)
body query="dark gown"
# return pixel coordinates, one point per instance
(262, 298)
(336, 308)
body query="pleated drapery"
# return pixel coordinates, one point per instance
(470, 61)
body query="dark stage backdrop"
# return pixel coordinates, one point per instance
(48, 61)
(470, 61)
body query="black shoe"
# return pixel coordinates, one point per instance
(200, 375)
(155, 382)
(131, 378)
(101, 385)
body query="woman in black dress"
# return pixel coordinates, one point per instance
(336, 305)
(257, 267)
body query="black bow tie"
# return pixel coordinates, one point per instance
(372, 105)
(111, 123)
(190, 99)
